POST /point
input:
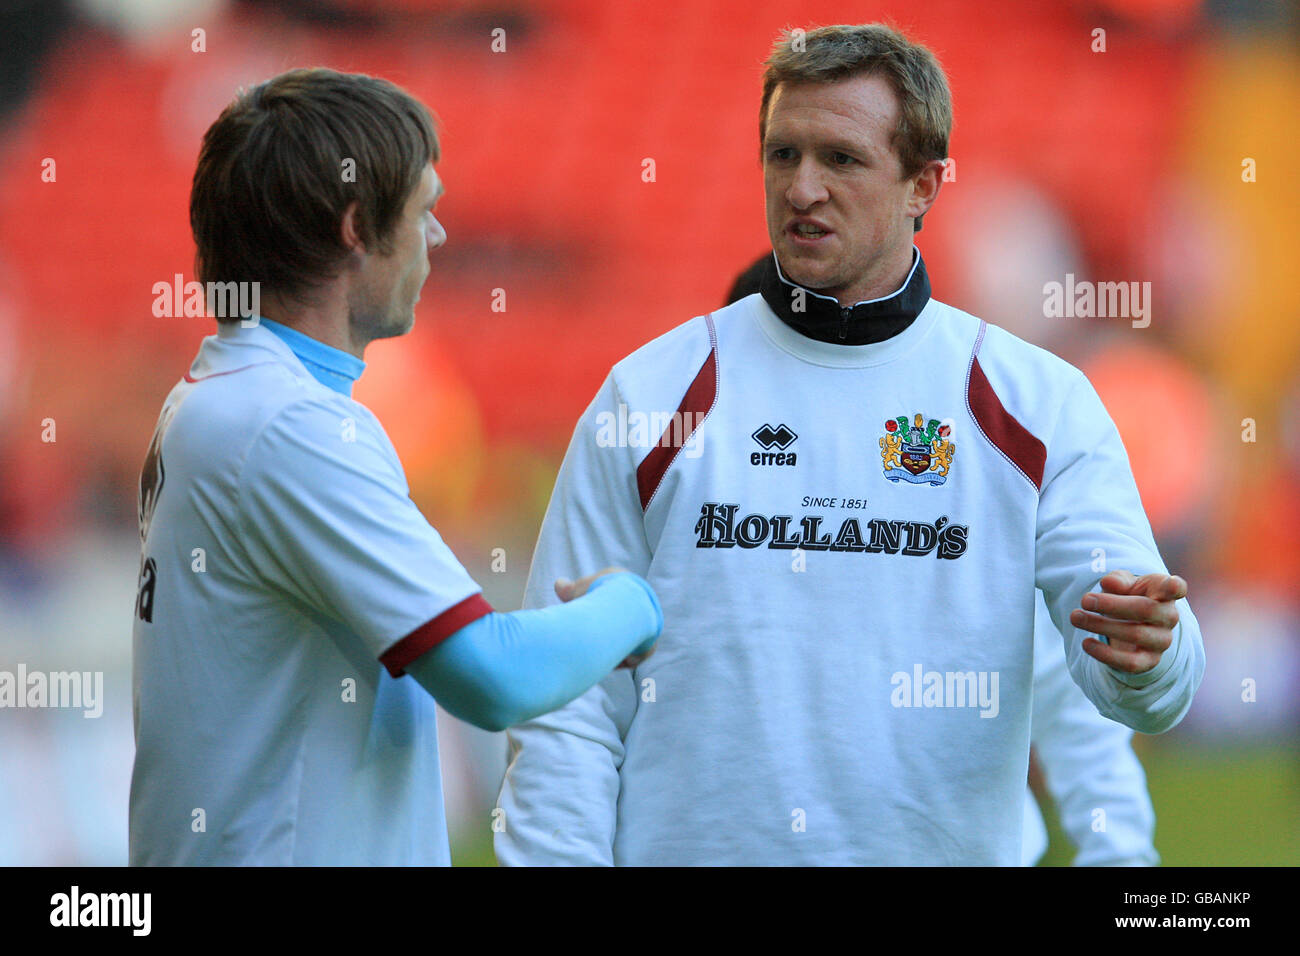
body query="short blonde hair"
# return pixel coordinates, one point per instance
(834, 53)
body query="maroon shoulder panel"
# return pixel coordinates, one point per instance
(1010, 437)
(697, 401)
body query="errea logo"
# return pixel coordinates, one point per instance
(780, 438)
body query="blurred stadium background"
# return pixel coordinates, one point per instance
(1124, 165)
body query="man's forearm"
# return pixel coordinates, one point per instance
(506, 668)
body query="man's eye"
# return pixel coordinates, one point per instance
(782, 153)
(843, 159)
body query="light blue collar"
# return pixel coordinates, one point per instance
(333, 368)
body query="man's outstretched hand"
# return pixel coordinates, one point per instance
(1136, 614)
(567, 590)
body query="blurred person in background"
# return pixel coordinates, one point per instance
(1092, 774)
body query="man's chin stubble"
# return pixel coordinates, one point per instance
(370, 330)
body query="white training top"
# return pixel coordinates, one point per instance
(283, 560)
(846, 549)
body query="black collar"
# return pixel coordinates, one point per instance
(824, 319)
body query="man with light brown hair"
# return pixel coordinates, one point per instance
(874, 485)
(297, 615)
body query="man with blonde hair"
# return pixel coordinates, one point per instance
(847, 558)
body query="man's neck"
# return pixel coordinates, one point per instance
(825, 319)
(333, 368)
(327, 324)
(885, 281)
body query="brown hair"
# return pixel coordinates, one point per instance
(272, 182)
(834, 53)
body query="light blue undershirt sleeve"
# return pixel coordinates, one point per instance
(503, 669)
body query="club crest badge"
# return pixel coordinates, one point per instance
(919, 453)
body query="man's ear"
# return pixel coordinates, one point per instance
(925, 188)
(350, 228)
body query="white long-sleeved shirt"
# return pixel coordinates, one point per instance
(845, 671)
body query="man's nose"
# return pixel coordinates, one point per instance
(807, 187)
(435, 235)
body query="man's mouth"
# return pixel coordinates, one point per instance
(807, 230)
